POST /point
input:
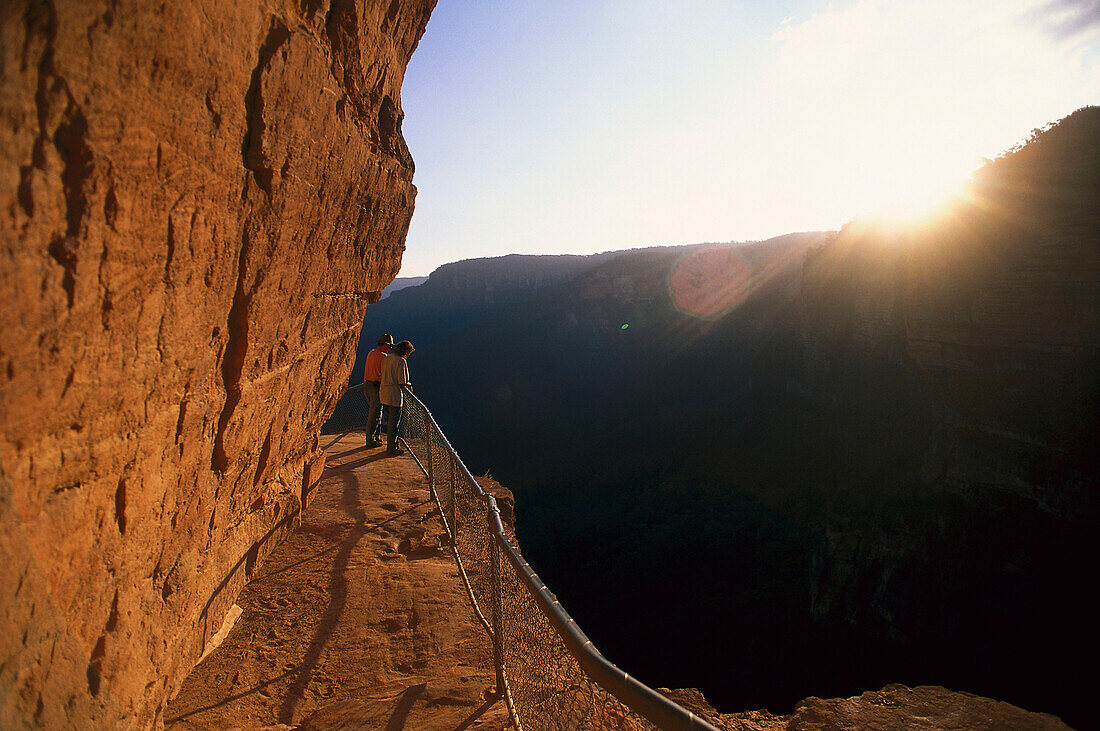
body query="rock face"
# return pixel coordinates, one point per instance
(195, 201)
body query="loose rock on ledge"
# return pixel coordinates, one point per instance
(928, 707)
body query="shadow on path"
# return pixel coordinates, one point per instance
(228, 699)
(489, 703)
(401, 712)
(336, 438)
(338, 469)
(338, 583)
(330, 549)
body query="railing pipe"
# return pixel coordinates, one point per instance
(498, 615)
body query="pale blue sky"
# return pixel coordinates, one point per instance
(583, 126)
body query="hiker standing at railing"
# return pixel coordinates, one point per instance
(372, 379)
(395, 374)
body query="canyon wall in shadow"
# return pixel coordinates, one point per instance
(808, 466)
(196, 201)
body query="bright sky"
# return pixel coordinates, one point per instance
(577, 126)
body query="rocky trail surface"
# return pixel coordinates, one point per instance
(358, 620)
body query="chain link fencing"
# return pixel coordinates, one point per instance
(549, 673)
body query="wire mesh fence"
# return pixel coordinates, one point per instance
(548, 687)
(549, 673)
(350, 413)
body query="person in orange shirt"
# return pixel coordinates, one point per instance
(372, 379)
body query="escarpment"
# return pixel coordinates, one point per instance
(196, 201)
(991, 313)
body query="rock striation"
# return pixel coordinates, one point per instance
(196, 200)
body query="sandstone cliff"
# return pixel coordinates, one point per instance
(196, 199)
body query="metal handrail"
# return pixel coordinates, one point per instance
(632, 693)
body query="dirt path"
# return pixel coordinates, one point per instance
(359, 620)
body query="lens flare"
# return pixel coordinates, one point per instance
(709, 282)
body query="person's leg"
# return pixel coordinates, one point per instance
(393, 418)
(391, 435)
(374, 417)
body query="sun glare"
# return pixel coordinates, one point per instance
(910, 197)
(903, 176)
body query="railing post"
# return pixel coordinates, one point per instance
(498, 608)
(428, 444)
(454, 500)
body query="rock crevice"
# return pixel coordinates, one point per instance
(253, 152)
(236, 348)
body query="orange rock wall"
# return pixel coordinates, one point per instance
(196, 201)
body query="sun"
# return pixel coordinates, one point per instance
(911, 191)
(912, 201)
(909, 178)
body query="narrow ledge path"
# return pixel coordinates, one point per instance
(358, 620)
